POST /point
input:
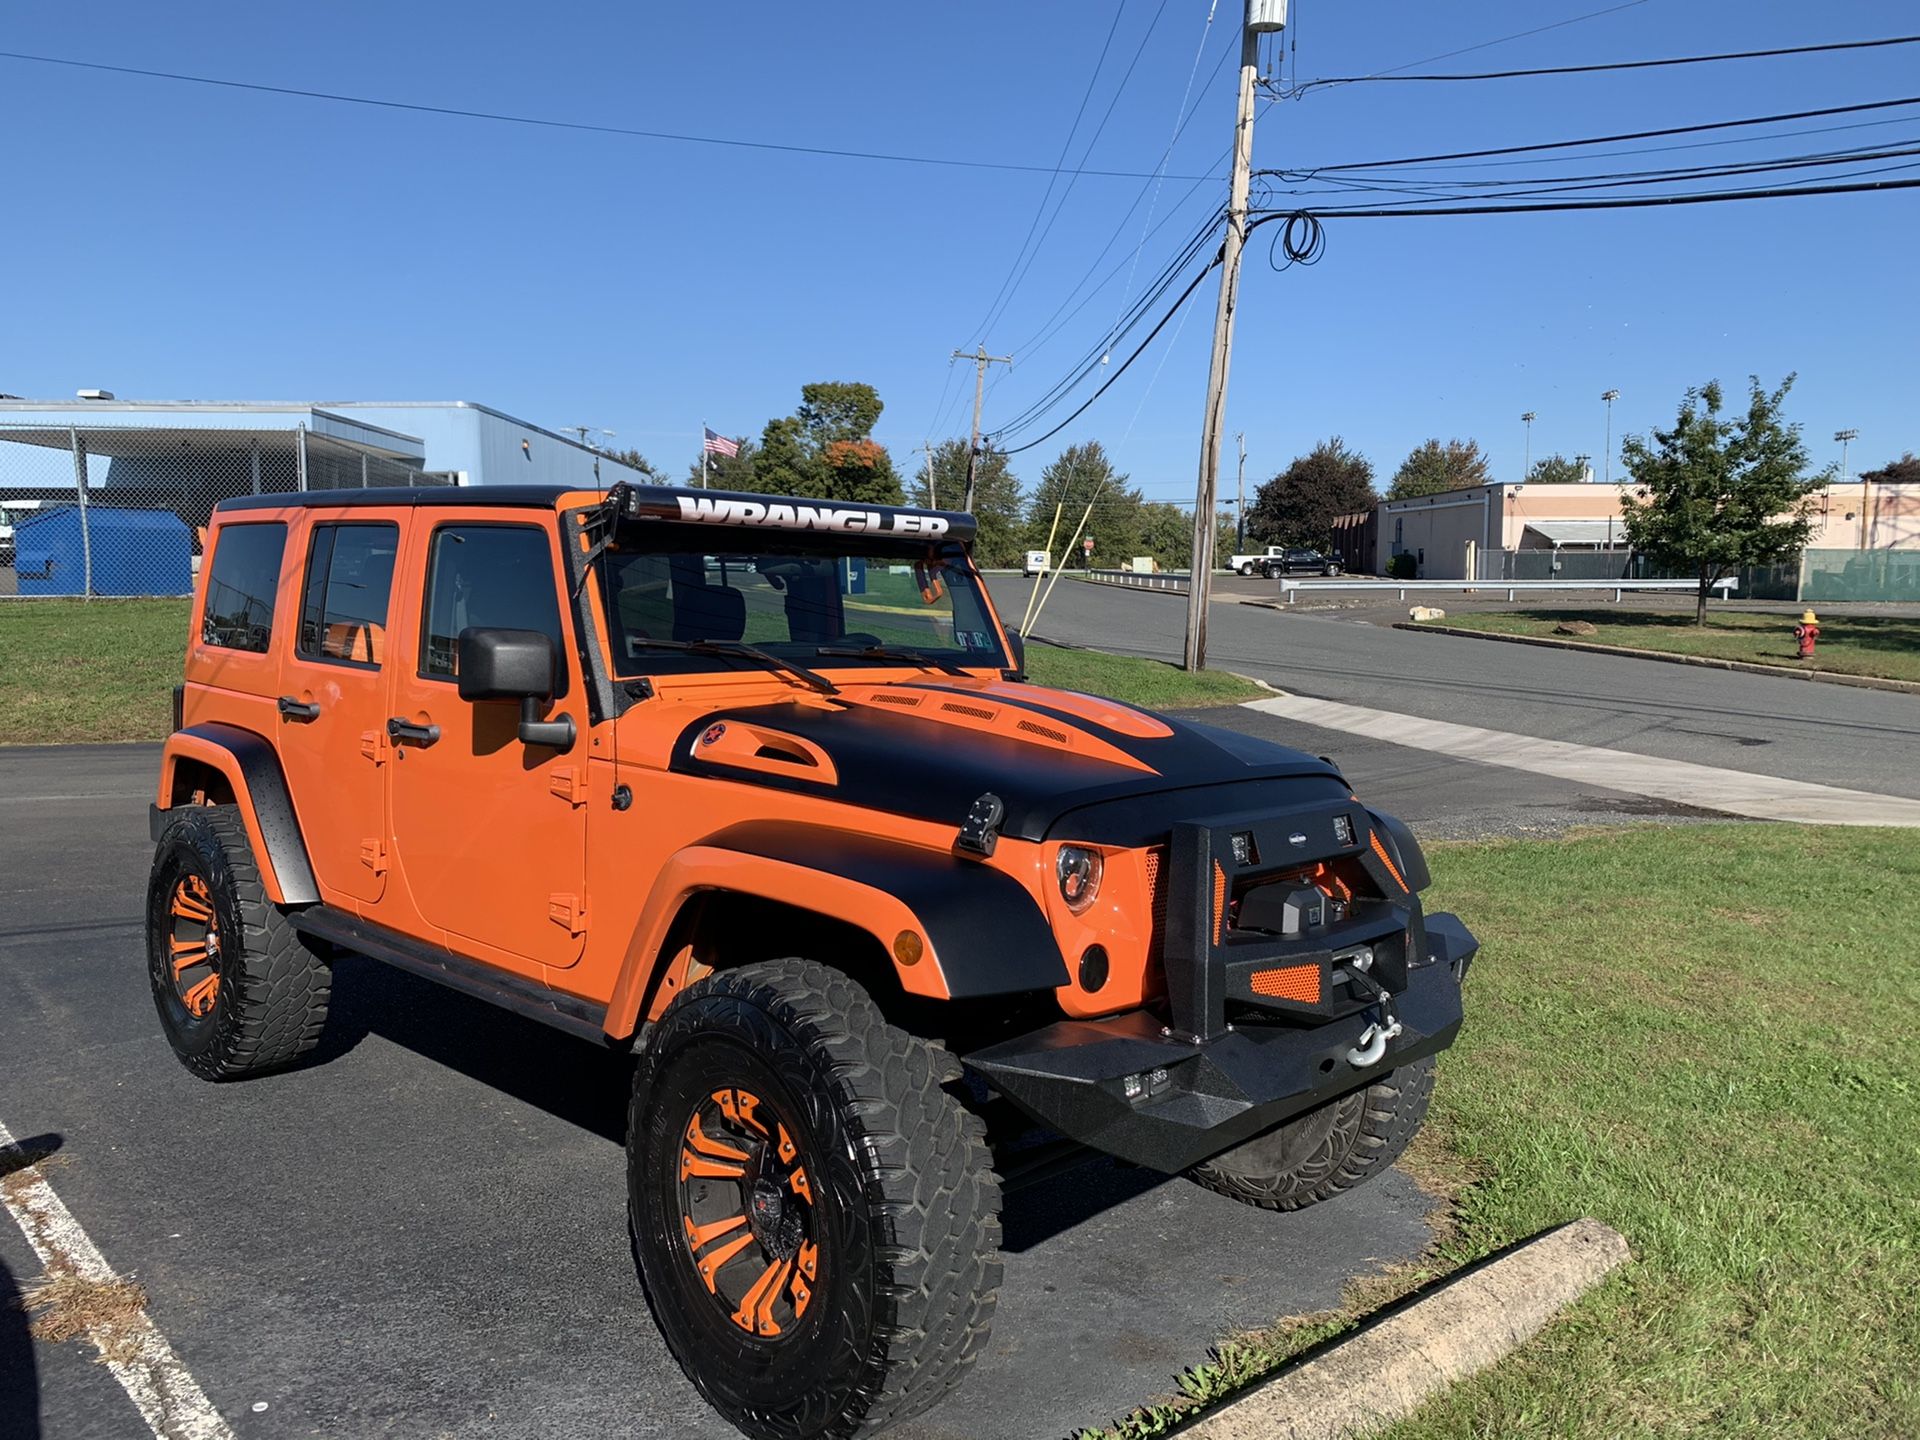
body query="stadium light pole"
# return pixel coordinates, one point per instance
(1844, 437)
(1526, 466)
(1606, 460)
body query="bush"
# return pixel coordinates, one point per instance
(1402, 567)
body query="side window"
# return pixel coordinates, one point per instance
(488, 575)
(238, 614)
(343, 610)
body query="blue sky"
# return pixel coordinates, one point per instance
(170, 241)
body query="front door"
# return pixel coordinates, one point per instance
(334, 694)
(489, 833)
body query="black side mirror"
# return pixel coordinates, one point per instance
(501, 664)
(1017, 651)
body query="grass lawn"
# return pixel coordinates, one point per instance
(1150, 684)
(1882, 645)
(74, 670)
(1704, 1037)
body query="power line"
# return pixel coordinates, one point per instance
(1657, 64)
(1504, 39)
(579, 126)
(1066, 146)
(1086, 154)
(1697, 129)
(1634, 202)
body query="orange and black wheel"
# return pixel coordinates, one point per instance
(815, 1215)
(237, 989)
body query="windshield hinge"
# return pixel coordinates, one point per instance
(980, 831)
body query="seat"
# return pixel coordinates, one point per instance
(708, 612)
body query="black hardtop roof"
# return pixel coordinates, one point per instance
(664, 504)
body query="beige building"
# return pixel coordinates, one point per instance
(1447, 533)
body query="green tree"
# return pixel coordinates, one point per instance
(1083, 475)
(996, 499)
(1904, 471)
(1556, 470)
(783, 465)
(1166, 533)
(1434, 466)
(833, 410)
(1713, 493)
(1299, 505)
(859, 471)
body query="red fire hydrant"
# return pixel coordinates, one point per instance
(1807, 632)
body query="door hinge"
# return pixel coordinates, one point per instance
(569, 784)
(375, 746)
(569, 912)
(373, 855)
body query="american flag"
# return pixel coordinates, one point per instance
(720, 445)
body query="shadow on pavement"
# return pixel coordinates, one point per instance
(19, 1373)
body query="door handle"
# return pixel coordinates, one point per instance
(294, 709)
(403, 732)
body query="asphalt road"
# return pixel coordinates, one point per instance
(1826, 734)
(422, 1232)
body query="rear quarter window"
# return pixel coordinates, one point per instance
(237, 613)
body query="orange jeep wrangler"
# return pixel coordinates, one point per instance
(755, 787)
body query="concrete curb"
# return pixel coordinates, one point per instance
(1386, 1371)
(1708, 662)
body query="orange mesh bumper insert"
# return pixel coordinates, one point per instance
(1289, 982)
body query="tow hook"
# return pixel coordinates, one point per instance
(1373, 1042)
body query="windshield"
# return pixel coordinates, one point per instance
(813, 600)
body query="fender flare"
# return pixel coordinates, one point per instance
(982, 932)
(260, 790)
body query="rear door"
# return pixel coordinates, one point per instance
(489, 833)
(333, 699)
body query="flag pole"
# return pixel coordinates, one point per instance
(703, 454)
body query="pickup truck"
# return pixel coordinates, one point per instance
(1284, 560)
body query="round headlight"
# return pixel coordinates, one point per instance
(1080, 872)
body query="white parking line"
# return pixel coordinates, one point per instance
(168, 1398)
(1707, 787)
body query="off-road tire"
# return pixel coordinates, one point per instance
(1328, 1150)
(271, 1002)
(905, 1205)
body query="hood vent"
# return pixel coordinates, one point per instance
(889, 697)
(1046, 732)
(978, 712)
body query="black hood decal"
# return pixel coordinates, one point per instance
(928, 769)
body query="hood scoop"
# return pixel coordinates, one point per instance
(745, 746)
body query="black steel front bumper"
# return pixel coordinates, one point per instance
(1197, 1098)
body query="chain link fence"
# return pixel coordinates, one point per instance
(1549, 564)
(123, 511)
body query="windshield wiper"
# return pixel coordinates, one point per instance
(889, 652)
(740, 650)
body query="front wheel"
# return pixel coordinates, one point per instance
(815, 1216)
(1328, 1150)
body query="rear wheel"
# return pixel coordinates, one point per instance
(1328, 1150)
(815, 1216)
(237, 989)
(1247, 569)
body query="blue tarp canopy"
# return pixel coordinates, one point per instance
(134, 552)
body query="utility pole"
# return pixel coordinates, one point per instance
(933, 493)
(1606, 461)
(981, 360)
(1240, 497)
(1262, 17)
(1526, 468)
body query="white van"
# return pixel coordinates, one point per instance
(1036, 563)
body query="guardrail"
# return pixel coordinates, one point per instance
(1290, 588)
(1163, 580)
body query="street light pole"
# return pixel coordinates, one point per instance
(1606, 460)
(1526, 468)
(1845, 436)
